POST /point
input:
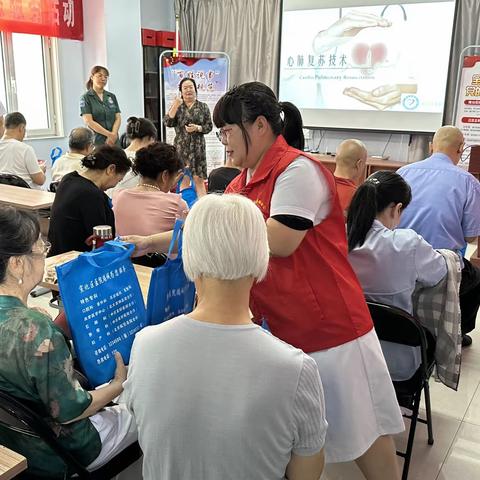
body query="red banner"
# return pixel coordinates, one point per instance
(50, 18)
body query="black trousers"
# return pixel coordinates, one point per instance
(469, 296)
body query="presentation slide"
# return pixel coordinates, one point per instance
(374, 65)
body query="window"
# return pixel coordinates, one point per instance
(29, 82)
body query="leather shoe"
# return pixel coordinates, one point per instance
(466, 340)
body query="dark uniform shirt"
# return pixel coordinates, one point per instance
(103, 112)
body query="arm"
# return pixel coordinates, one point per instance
(310, 426)
(170, 118)
(305, 468)
(471, 212)
(282, 240)
(160, 242)
(301, 199)
(38, 178)
(206, 126)
(95, 126)
(94, 210)
(429, 264)
(116, 125)
(103, 396)
(33, 168)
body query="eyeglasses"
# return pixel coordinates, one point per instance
(223, 133)
(45, 248)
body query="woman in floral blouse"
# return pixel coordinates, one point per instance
(192, 120)
(36, 364)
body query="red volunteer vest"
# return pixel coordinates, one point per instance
(311, 299)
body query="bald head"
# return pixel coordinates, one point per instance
(350, 159)
(448, 140)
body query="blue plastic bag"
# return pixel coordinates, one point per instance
(189, 194)
(104, 307)
(170, 292)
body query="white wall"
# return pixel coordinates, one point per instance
(158, 14)
(112, 32)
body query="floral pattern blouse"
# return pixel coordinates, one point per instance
(191, 146)
(36, 367)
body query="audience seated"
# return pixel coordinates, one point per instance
(236, 402)
(445, 211)
(80, 202)
(37, 366)
(16, 157)
(390, 263)
(351, 161)
(150, 207)
(80, 144)
(219, 178)
(141, 132)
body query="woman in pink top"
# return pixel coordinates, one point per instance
(150, 207)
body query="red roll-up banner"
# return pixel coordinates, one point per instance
(50, 18)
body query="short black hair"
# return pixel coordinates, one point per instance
(106, 155)
(80, 138)
(187, 79)
(14, 120)
(158, 157)
(140, 128)
(20, 230)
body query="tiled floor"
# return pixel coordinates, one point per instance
(455, 454)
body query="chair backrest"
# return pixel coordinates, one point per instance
(18, 417)
(395, 325)
(15, 180)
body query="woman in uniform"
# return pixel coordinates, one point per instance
(99, 108)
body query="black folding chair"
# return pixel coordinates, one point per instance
(20, 418)
(14, 180)
(397, 326)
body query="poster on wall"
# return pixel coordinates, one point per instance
(468, 105)
(211, 76)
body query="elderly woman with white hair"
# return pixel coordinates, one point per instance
(215, 396)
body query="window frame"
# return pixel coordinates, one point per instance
(52, 85)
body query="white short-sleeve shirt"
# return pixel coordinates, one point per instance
(301, 190)
(18, 158)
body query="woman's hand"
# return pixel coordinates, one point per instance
(192, 128)
(142, 244)
(177, 101)
(111, 138)
(120, 370)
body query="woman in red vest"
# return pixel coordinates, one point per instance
(311, 297)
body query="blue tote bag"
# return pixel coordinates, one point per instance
(104, 307)
(189, 194)
(170, 292)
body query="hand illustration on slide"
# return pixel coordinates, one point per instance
(345, 28)
(382, 97)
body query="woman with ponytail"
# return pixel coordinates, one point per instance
(390, 262)
(311, 297)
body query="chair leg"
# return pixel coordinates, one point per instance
(428, 409)
(411, 435)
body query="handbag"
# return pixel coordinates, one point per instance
(170, 292)
(189, 194)
(104, 307)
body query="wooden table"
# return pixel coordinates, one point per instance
(373, 164)
(11, 463)
(25, 198)
(50, 278)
